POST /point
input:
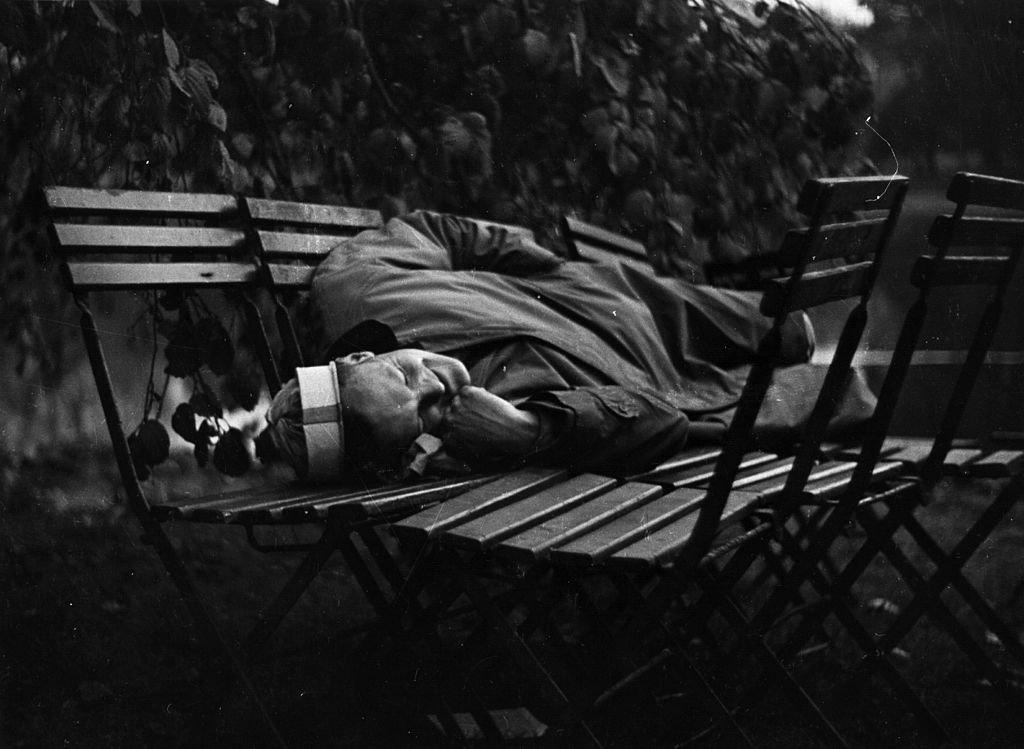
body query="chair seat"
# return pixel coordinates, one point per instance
(966, 458)
(586, 520)
(295, 503)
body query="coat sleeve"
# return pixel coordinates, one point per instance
(478, 245)
(610, 428)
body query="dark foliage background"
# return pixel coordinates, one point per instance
(687, 125)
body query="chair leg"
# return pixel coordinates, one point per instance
(832, 591)
(938, 610)
(955, 561)
(270, 617)
(525, 655)
(754, 642)
(968, 592)
(209, 634)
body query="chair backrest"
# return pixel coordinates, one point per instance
(121, 240)
(749, 273)
(987, 250)
(835, 257)
(586, 241)
(290, 240)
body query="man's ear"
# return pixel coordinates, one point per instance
(354, 358)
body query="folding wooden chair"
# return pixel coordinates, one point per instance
(929, 460)
(698, 519)
(127, 241)
(291, 239)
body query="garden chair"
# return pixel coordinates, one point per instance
(676, 524)
(133, 241)
(928, 461)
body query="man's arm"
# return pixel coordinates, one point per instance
(477, 245)
(602, 427)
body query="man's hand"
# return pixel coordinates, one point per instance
(479, 423)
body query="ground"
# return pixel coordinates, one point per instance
(96, 647)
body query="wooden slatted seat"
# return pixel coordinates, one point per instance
(666, 521)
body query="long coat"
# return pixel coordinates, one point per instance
(620, 359)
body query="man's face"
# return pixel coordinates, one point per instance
(401, 394)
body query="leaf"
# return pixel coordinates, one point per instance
(217, 349)
(183, 352)
(153, 442)
(171, 52)
(230, 455)
(639, 208)
(217, 117)
(243, 385)
(243, 143)
(103, 20)
(183, 422)
(203, 68)
(197, 87)
(135, 151)
(176, 79)
(247, 17)
(615, 73)
(206, 407)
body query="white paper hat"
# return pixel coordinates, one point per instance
(321, 421)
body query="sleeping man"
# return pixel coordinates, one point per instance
(462, 346)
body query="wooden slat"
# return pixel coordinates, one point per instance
(840, 194)
(361, 504)
(314, 215)
(976, 231)
(769, 487)
(752, 476)
(596, 546)
(153, 239)
(83, 276)
(982, 189)
(290, 276)
(998, 464)
(295, 245)
(687, 460)
(662, 546)
(182, 507)
(957, 270)
(699, 474)
(296, 503)
(486, 530)
(851, 239)
(137, 203)
(817, 287)
(476, 502)
(533, 543)
(828, 488)
(581, 232)
(750, 272)
(388, 504)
